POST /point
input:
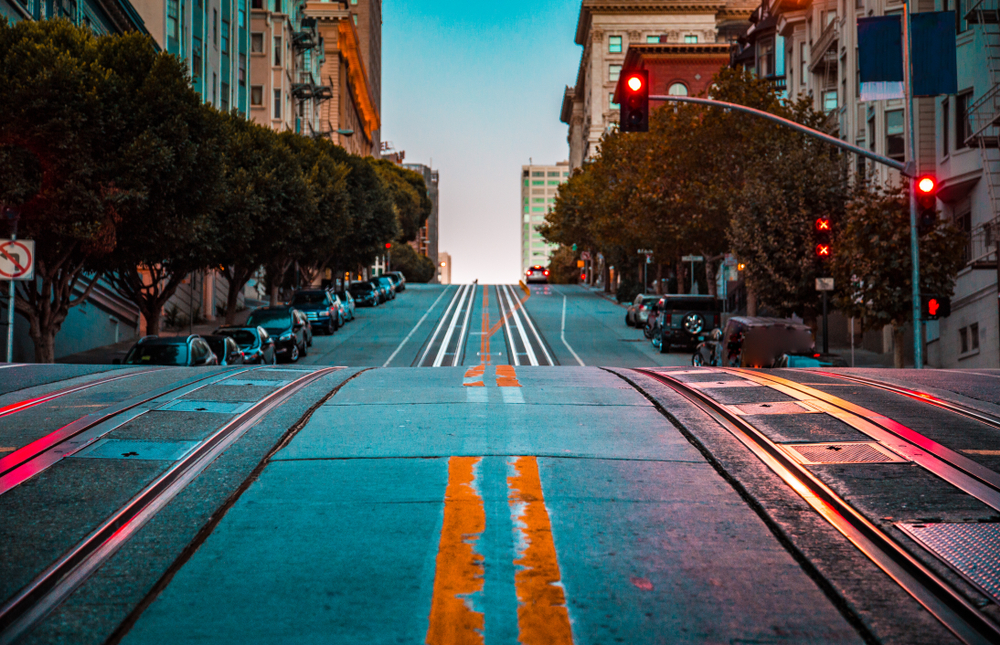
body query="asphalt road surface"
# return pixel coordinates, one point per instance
(554, 480)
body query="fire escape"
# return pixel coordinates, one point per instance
(306, 90)
(984, 122)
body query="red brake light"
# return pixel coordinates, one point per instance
(546, 271)
(816, 355)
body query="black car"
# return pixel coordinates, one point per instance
(226, 351)
(255, 343)
(686, 319)
(322, 310)
(184, 351)
(400, 279)
(365, 294)
(286, 328)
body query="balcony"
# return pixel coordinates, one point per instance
(824, 50)
(306, 37)
(984, 12)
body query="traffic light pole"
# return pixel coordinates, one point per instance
(918, 326)
(907, 170)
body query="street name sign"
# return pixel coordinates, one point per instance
(693, 258)
(824, 284)
(17, 260)
(645, 251)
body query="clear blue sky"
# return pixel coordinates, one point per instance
(476, 87)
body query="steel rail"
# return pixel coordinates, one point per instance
(446, 341)
(34, 458)
(506, 323)
(538, 337)
(21, 406)
(22, 612)
(437, 330)
(512, 305)
(463, 336)
(945, 603)
(958, 470)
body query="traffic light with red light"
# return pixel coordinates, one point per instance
(634, 115)
(935, 307)
(822, 228)
(388, 245)
(926, 193)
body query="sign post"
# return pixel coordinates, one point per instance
(17, 262)
(825, 286)
(692, 259)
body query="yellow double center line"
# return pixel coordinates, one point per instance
(542, 616)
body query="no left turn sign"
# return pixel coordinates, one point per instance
(17, 260)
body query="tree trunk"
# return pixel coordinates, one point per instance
(608, 287)
(659, 279)
(713, 288)
(236, 278)
(751, 301)
(897, 346)
(152, 317)
(231, 299)
(681, 281)
(45, 344)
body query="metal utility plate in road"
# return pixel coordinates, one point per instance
(133, 449)
(220, 407)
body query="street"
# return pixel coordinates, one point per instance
(555, 481)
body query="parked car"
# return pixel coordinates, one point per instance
(287, 326)
(767, 342)
(365, 294)
(322, 309)
(226, 351)
(184, 351)
(400, 280)
(536, 273)
(709, 352)
(651, 329)
(346, 303)
(255, 343)
(386, 285)
(638, 311)
(687, 319)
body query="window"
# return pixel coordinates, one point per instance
(690, 39)
(614, 44)
(256, 4)
(829, 101)
(215, 89)
(554, 183)
(871, 131)
(225, 97)
(614, 72)
(173, 33)
(277, 104)
(538, 174)
(974, 335)
(963, 129)
(215, 27)
(277, 50)
(243, 70)
(653, 39)
(196, 57)
(895, 142)
(945, 126)
(355, 17)
(678, 89)
(256, 43)
(611, 102)
(961, 24)
(242, 13)
(537, 183)
(256, 95)
(553, 174)
(803, 63)
(765, 57)
(225, 36)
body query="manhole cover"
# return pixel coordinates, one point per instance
(256, 383)
(841, 453)
(714, 384)
(133, 449)
(778, 407)
(219, 407)
(971, 549)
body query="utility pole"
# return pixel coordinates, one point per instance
(918, 326)
(13, 215)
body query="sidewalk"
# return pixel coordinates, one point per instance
(107, 354)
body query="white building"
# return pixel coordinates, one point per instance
(539, 185)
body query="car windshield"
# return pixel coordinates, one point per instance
(693, 304)
(167, 354)
(361, 288)
(218, 346)
(243, 337)
(342, 295)
(309, 298)
(270, 319)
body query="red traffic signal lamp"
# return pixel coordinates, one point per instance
(935, 307)
(823, 250)
(823, 225)
(822, 229)
(634, 116)
(925, 191)
(388, 245)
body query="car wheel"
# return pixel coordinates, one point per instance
(664, 345)
(305, 350)
(628, 323)
(647, 331)
(330, 328)
(274, 359)
(693, 323)
(293, 357)
(697, 360)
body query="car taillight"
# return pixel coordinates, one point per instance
(546, 271)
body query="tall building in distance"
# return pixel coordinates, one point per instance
(427, 239)
(538, 195)
(444, 268)
(607, 28)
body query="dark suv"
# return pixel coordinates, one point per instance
(686, 320)
(322, 310)
(171, 350)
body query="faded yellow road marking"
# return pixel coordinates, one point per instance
(542, 617)
(506, 376)
(7, 449)
(987, 453)
(474, 376)
(460, 570)
(484, 338)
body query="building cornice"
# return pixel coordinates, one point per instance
(720, 7)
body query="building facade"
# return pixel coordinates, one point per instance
(606, 29)
(809, 48)
(427, 239)
(539, 185)
(212, 37)
(101, 16)
(444, 268)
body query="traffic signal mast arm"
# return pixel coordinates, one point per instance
(788, 123)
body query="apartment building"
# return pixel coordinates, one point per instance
(539, 185)
(444, 268)
(809, 48)
(427, 238)
(212, 37)
(606, 29)
(101, 16)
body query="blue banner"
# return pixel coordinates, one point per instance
(935, 70)
(880, 58)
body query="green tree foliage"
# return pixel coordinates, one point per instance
(562, 266)
(409, 194)
(872, 267)
(417, 268)
(57, 164)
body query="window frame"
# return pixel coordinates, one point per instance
(615, 41)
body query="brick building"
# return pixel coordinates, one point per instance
(679, 70)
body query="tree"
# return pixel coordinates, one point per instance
(562, 266)
(373, 215)
(170, 159)
(417, 268)
(56, 164)
(871, 262)
(408, 192)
